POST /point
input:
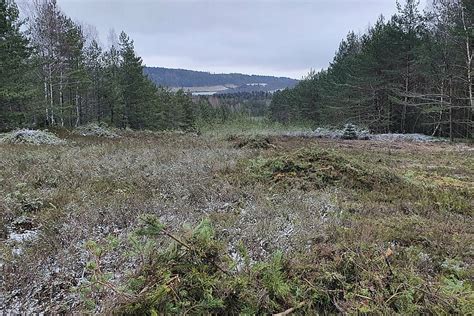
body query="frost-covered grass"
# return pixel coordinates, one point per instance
(329, 226)
(97, 130)
(244, 126)
(34, 137)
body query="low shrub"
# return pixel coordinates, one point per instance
(191, 273)
(97, 130)
(251, 142)
(34, 137)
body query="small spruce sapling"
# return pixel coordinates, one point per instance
(349, 132)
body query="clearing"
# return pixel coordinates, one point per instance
(315, 224)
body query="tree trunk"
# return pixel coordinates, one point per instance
(451, 137)
(469, 56)
(51, 94)
(405, 102)
(61, 98)
(78, 109)
(440, 110)
(46, 98)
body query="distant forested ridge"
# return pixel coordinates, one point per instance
(410, 73)
(167, 77)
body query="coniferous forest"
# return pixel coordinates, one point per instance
(56, 74)
(411, 73)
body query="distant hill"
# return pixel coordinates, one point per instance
(199, 82)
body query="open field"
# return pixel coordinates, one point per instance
(362, 226)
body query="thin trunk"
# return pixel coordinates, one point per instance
(99, 109)
(51, 94)
(469, 56)
(46, 97)
(78, 109)
(61, 98)
(441, 110)
(404, 109)
(451, 138)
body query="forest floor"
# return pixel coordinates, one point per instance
(372, 226)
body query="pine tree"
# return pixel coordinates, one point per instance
(73, 81)
(407, 30)
(95, 73)
(186, 106)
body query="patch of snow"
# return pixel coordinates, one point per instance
(27, 235)
(27, 136)
(406, 137)
(363, 134)
(98, 130)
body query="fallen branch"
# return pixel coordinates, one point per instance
(291, 310)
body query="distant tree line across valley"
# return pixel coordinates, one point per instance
(169, 77)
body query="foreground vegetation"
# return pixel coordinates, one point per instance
(178, 223)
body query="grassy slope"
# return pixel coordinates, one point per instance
(365, 226)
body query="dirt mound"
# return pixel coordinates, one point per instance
(97, 130)
(27, 136)
(251, 142)
(318, 169)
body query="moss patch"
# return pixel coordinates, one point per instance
(313, 168)
(251, 142)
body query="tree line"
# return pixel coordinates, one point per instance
(56, 74)
(412, 73)
(189, 78)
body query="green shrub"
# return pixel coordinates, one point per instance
(192, 273)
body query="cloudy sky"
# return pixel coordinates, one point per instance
(274, 37)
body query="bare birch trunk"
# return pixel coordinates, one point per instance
(51, 94)
(61, 99)
(78, 109)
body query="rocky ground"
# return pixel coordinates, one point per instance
(301, 195)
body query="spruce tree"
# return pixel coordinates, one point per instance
(111, 95)
(131, 80)
(349, 132)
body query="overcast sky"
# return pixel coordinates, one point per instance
(274, 37)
